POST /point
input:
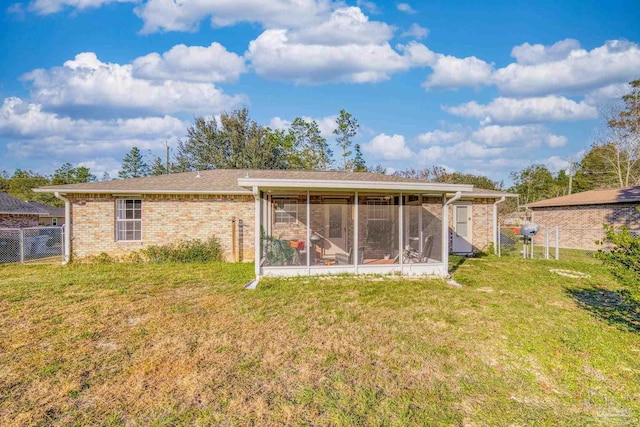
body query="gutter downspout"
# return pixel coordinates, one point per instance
(445, 231)
(495, 224)
(67, 226)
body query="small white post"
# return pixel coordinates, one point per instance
(546, 243)
(308, 237)
(557, 243)
(21, 246)
(401, 229)
(356, 240)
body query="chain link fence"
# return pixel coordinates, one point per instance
(30, 245)
(552, 243)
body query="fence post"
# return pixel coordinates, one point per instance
(21, 246)
(546, 243)
(557, 243)
(499, 242)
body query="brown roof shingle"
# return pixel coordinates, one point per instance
(223, 181)
(11, 205)
(592, 197)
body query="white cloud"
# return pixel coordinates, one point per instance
(37, 134)
(416, 31)
(86, 82)
(369, 6)
(169, 15)
(441, 137)
(345, 26)
(275, 56)
(524, 136)
(191, 63)
(451, 72)
(406, 8)
(47, 7)
(512, 110)
(528, 54)
(431, 154)
(388, 147)
(565, 68)
(556, 163)
(326, 124)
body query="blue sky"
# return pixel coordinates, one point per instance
(475, 86)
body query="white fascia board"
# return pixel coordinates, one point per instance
(22, 213)
(427, 187)
(488, 195)
(138, 192)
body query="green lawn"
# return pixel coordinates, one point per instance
(131, 344)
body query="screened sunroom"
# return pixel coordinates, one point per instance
(318, 227)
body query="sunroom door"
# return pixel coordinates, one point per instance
(336, 226)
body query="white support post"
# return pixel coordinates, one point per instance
(308, 242)
(557, 243)
(356, 226)
(445, 231)
(257, 243)
(400, 228)
(421, 232)
(496, 229)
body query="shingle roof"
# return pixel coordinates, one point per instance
(11, 205)
(47, 210)
(592, 197)
(219, 181)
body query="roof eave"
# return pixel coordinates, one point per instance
(116, 191)
(286, 184)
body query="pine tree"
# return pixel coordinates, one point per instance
(133, 165)
(359, 164)
(346, 128)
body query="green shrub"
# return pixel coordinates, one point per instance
(623, 260)
(185, 251)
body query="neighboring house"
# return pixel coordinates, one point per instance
(14, 213)
(293, 222)
(580, 216)
(51, 215)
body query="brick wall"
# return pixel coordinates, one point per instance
(165, 218)
(18, 221)
(581, 226)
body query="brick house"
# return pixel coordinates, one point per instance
(50, 216)
(580, 216)
(14, 213)
(293, 222)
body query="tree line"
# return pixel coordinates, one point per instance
(235, 141)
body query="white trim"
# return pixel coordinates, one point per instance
(495, 224)
(256, 232)
(356, 225)
(130, 193)
(353, 185)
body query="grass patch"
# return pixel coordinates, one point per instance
(176, 344)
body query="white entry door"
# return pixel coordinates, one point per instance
(336, 226)
(462, 228)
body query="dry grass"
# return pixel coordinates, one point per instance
(127, 344)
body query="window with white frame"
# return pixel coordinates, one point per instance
(128, 219)
(285, 210)
(54, 221)
(378, 209)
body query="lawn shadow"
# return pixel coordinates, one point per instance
(456, 265)
(609, 306)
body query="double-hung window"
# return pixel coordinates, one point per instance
(128, 220)
(286, 210)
